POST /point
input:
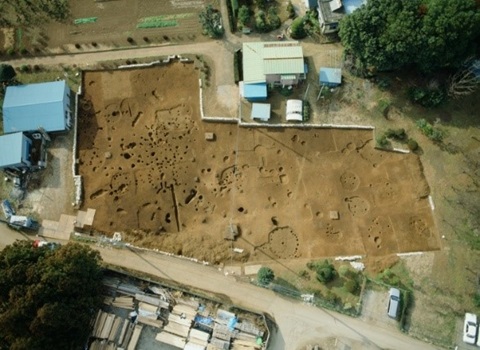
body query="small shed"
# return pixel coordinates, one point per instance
(331, 77)
(261, 111)
(231, 232)
(37, 106)
(255, 92)
(294, 110)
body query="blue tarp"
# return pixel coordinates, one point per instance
(255, 92)
(203, 320)
(231, 323)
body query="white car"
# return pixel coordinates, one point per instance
(470, 328)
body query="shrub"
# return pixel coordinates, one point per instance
(352, 286)
(37, 68)
(427, 97)
(11, 51)
(382, 141)
(243, 15)
(77, 46)
(304, 274)
(146, 39)
(24, 51)
(384, 106)
(428, 130)
(325, 271)
(94, 44)
(265, 275)
(297, 29)
(25, 68)
(274, 21)
(397, 134)
(476, 299)
(290, 10)
(130, 40)
(306, 111)
(412, 145)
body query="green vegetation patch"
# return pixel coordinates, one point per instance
(85, 20)
(162, 20)
(158, 24)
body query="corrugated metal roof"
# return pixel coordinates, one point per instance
(255, 91)
(263, 58)
(11, 149)
(261, 111)
(330, 76)
(28, 107)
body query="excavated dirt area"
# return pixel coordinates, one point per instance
(151, 173)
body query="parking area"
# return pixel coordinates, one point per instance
(374, 309)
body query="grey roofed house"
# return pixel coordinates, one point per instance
(330, 12)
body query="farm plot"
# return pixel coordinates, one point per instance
(111, 22)
(150, 173)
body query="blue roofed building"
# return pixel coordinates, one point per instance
(261, 111)
(331, 77)
(20, 152)
(271, 63)
(37, 106)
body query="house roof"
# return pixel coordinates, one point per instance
(11, 149)
(261, 58)
(329, 11)
(261, 111)
(258, 91)
(330, 76)
(28, 107)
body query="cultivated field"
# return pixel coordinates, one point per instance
(150, 172)
(110, 23)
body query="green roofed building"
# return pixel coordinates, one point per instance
(272, 63)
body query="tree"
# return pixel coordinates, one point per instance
(48, 296)
(325, 271)
(274, 21)
(243, 15)
(7, 73)
(211, 21)
(297, 29)
(426, 34)
(261, 24)
(265, 275)
(448, 33)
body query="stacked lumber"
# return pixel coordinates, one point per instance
(123, 303)
(189, 302)
(177, 329)
(152, 300)
(115, 329)
(184, 310)
(128, 335)
(245, 336)
(150, 321)
(198, 337)
(107, 326)
(98, 344)
(171, 339)
(193, 346)
(144, 308)
(248, 327)
(123, 332)
(178, 319)
(245, 345)
(132, 344)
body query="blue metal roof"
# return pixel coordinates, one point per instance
(11, 149)
(330, 76)
(28, 107)
(261, 111)
(255, 91)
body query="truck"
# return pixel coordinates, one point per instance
(20, 222)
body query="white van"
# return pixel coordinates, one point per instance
(393, 302)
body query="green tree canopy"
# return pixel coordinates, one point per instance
(7, 73)
(265, 275)
(211, 21)
(48, 296)
(427, 34)
(297, 29)
(243, 14)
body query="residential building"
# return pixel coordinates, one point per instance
(21, 152)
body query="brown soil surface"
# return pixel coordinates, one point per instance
(150, 172)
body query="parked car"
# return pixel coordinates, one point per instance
(470, 328)
(393, 302)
